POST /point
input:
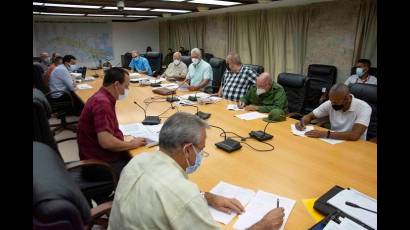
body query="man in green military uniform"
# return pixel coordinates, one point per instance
(265, 96)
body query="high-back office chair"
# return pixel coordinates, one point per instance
(187, 60)
(36, 59)
(57, 200)
(90, 188)
(126, 59)
(367, 93)
(207, 57)
(372, 71)
(257, 68)
(218, 69)
(294, 86)
(59, 106)
(318, 77)
(155, 61)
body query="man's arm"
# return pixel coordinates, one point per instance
(109, 142)
(353, 135)
(200, 86)
(306, 120)
(67, 80)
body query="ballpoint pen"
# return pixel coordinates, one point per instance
(277, 202)
(357, 206)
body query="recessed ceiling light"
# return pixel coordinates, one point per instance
(171, 10)
(105, 15)
(72, 6)
(62, 14)
(215, 2)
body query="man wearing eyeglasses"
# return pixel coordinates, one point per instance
(154, 191)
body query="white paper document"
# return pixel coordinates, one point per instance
(198, 95)
(300, 133)
(251, 116)
(331, 141)
(74, 75)
(233, 107)
(170, 86)
(84, 86)
(149, 132)
(259, 206)
(89, 78)
(358, 198)
(243, 195)
(135, 75)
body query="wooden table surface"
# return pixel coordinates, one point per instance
(298, 167)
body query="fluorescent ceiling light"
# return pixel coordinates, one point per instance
(38, 3)
(62, 14)
(215, 2)
(171, 10)
(141, 16)
(36, 12)
(105, 15)
(125, 8)
(73, 6)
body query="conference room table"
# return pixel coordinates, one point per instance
(298, 167)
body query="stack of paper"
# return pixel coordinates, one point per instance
(259, 206)
(243, 195)
(233, 107)
(300, 133)
(84, 86)
(360, 199)
(149, 132)
(251, 116)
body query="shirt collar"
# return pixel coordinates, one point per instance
(351, 104)
(167, 158)
(108, 94)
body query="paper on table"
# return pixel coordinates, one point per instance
(89, 78)
(84, 86)
(251, 116)
(135, 75)
(300, 133)
(154, 81)
(260, 205)
(360, 199)
(150, 133)
(243, 195)
(331, 141)
(170, 86)
(233, 107)
(198, 95)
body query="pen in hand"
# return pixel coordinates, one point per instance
(277, 203)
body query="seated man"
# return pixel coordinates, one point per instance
(57, 61)
(176, 69)
(139, 64)
(362, 74)
(44, 61)
(98, 134)
(265, 96)
(154, 191)
(199, 72)
(237, 79)
(349, 117)
(61, 80)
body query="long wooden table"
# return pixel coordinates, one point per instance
(298, 167)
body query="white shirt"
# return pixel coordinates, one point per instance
(355, 79)
(358, 113)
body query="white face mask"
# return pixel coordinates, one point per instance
(260, 91)
(195, 60)
(176, 62)
(123, 96)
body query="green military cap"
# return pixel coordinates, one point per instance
(275, 115)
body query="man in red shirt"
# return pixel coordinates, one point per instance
(98, 134)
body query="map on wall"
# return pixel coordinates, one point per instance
(88, 42)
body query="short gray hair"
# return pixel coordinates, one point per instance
(235, 58)
(197, 51)
(179, 129)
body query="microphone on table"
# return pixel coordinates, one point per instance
(149, 120)
(228, 144)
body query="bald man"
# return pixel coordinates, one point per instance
(176, 69)
(265, 96)
(139, 64)
(349, 117)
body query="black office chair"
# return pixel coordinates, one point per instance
(367, 93)
(61, 106)
(184, 52)
(218, 69)
(257, 68)
(207, 57)
(294, 86)
(155, 61)
(126, 59)
(318, 77)
(36, 59)
(372, 71)
(187, 60)
(57, 200)
(92, 189)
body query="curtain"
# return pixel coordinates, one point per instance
(366, 33)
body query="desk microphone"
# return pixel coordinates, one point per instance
(193, 98)
(202, 115)
(228, 144)
(261, 135)
(149, 120)
(172, 98)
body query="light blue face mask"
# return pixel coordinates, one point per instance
(198, 158)
(72, 68)
(359, 71)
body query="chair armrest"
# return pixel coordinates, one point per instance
(86, 163)
(66, 139)
(101, 209)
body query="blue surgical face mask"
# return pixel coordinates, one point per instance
(198, 158)
(359, 71)
(72, 68)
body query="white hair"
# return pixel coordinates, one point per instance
(196, 51)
